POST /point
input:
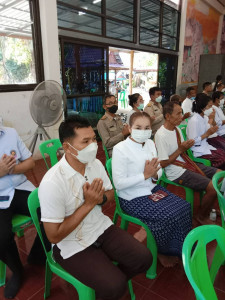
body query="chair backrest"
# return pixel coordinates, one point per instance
(194, 256)
(33, 205)
(109, 169)
(50, 147)
(221, 199)
(105, 149)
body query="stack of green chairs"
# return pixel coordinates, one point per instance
(194, 256)
(125, 219)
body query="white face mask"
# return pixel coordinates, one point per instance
(158, 99)
(86, 155)
(141, 136)
(207, 112)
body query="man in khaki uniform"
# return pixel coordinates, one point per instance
(110, 126)
(154, 109)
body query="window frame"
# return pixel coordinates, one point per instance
(38, 53)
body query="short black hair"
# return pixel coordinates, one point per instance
(137, 115)
(168, 108)
(153, 90)
(219, 77)
(66, 128)
(133, 99)
(216, 95)
(205, 84)
(201, 101)
(188, 89)
(106, 97)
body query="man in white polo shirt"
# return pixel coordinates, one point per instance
(85, 240)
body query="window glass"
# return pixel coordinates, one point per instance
(17, 62)
(150, 14)
(148, 37)
(92, 5)
(119, 30)
(123, 10)
(169, 42)
(170, 21)
(78, 20)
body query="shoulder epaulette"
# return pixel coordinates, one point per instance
(149, 104)
(103, 117)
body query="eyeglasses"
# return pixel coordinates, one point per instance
(111, 103)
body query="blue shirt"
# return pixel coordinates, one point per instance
(11, 144)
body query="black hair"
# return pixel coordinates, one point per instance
(106, 97)
(153, 90)
(168, 108)
(201, 101)
(205, 84)
(133, 99)
(216, 95)
(190, 88)
(218, 78)
(66, 128)
(175, 98)
(137, 115)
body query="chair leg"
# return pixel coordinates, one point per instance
(190, 198)
(130, 287)
(151, 272)
(20, 233)
(115, 217)
(85, 292)
(48, 280)
(2, 273)
(124, 224)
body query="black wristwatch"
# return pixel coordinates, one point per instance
(104, 200)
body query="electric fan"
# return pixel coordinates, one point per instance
(47, 103)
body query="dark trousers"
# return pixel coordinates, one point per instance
(8, 249)
(94, 266)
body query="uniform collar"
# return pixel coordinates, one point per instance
(110, 117)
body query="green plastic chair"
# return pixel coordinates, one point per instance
(19, 223)
(105, 150)
(125, 219)
(50, 147)
(84, 292)
(194, 256)
(217, 186)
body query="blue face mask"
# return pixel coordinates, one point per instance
(192, 98)
(141, 106)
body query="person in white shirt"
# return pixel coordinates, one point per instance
(86, 243)
(187, 103)
(199, 130)
(218, 102)
(15, 160)
(178, 166)
(135, 170)
(137, 103)
(207, 88)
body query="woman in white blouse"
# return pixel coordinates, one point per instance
(137, 103)
(200, 128)
(218, 102)
(135, 170)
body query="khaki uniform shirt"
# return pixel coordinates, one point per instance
(110, 130)
(155, 110)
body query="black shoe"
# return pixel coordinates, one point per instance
(13, 285)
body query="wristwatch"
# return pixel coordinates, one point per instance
(104, 200)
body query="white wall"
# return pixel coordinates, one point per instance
(15, 105)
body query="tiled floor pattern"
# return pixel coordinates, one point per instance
(170, 284)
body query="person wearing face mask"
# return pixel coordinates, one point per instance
(110, 126)
(137, 103)
(218, 102)
(199, 129)
(136, 169)
(85, 240)
(188, 101)
(178, 166)
(154, 109)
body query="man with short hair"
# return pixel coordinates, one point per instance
(178, 166)
(110, 126)
(207, 88)
(86, 243)
(187, 103)
(154, 109)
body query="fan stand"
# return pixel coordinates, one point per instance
(40, 131)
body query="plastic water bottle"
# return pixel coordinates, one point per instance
(212, 215)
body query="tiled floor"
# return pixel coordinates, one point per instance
(170, 284)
